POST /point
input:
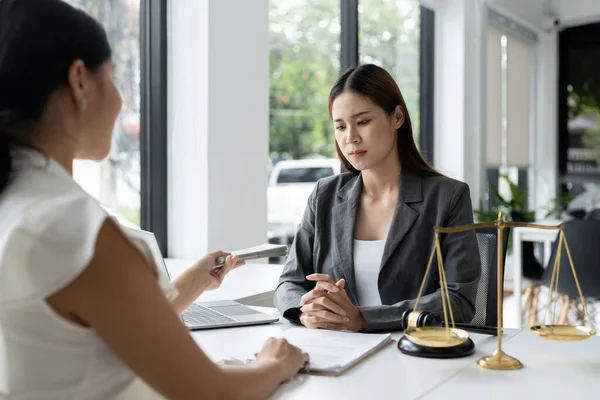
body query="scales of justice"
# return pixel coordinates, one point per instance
(448, 341)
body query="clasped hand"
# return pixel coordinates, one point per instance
(327, 306)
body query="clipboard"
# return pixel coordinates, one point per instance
(332, 352)
(349, 366)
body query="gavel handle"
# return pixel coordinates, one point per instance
(486, 330)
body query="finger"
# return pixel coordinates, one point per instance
(341, 283)
(312, 307)
(224, 269)
(219, 253)
(326, 325)
(327, 287)
(220, 273)
(231, 261)
(218, 278)
(323, 303)
(305, 359)
(310, 296)
(312, 323)
(326, 301)
(320, 277)
(327, 316)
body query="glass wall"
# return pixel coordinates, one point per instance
(305, 60)
(115, 182)
(389, 36)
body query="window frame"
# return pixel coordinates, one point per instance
(349, 57)
(153, 120)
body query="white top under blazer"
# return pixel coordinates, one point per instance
(367, 262)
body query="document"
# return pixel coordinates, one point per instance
(266, 250)
(331, 352)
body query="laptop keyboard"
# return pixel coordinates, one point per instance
(197, 315)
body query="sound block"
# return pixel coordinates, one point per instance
(406, 346)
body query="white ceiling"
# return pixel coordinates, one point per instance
(536, 12)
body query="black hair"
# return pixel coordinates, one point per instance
(39, 41)
(376, 84)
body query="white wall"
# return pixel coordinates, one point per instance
(526, 12)
(569, 12)
(459, 98)
(218, 72)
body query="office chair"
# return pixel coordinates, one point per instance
(593, 214)
(582, 237)
(486, 301)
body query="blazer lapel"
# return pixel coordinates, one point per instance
(344, 217)
(404, 216)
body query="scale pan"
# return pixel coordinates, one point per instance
(564, 333)
(437, 336)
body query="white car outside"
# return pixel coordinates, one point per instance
(290, 184)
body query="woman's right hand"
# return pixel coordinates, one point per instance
(288, 358)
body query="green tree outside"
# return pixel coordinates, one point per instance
(305, 62)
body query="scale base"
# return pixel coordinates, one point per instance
(406, 346)
(501, 361)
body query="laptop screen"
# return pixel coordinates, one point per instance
(150, 240)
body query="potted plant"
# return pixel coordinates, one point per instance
(559, 204)
(514, 208)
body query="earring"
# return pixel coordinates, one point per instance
(83, 104)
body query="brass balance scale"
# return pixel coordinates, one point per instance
(450, 341)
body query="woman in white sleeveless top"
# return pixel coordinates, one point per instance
(83, 314)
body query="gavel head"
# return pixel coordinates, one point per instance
(419, 319)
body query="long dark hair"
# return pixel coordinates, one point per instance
(39, 41)
(376, 84)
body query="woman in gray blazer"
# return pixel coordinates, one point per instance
(361, 250)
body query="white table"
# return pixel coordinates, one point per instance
(388, 374)
(553, 370)
(521, 235)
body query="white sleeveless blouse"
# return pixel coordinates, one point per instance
(48, 230)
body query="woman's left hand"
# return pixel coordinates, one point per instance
(326, 302)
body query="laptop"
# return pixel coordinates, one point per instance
(205, 315)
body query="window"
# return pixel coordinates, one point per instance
(311, 41)
(115, 182)
(389, 36)
(304, 62)
(509, 115)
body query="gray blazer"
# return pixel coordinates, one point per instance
(325, 237)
